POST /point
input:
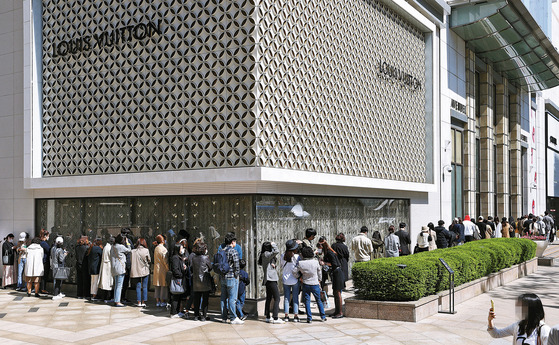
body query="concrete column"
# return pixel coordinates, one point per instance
(515, 157)
(470, 137)
(486, 136)
(502, 140)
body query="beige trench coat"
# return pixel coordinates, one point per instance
(160, 265)
(105, 276)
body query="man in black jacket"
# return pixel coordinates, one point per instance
(444, 238)
(405, 240)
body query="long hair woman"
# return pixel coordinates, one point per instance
(160, 269)
(178, 268)
(34, 269)
(8, 260)
(58, 259)
(268, 261)
(338, 282)
(288, 262)
(531, 329)
(201, 280)
(118, 266)
(139, 271)
(94, 259)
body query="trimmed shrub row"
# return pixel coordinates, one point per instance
(383, 280)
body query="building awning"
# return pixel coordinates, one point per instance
(504, 32)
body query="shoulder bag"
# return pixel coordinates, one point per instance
(176, 286)
(61, 273)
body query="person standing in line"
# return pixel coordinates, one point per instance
(21, 250)
(311, 273)
(530, 330)
(118, 266)
(469, 229)
(244, 280)
(268, 261)
(127, 235)
(160, 269)
(178, 270)
(106, 280)
(433, 234)
(8, 260)
(498, 228)
(362, 246)
(230, 282)
(492, 225)
(392, 243)
(238, 247)
(34, 268)
(288, 261)
(343, 254)
(423, 239)
(310, 234)
(337, 276)
(44, 235)
(444, 238)
(201, 280)
(549, 226)
(139, 271)
(58, 259)
(505, 228)
(94, 257)
(404, 238)
(82, 268)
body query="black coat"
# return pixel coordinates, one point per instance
(81, 251)
(405, 241)
(7, 250)
(94, 260)
(343, 256)
(444, 238)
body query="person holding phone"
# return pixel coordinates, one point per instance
(530, 330)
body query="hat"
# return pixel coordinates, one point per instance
(480, 218)
(59, 240)
(291, 245)
(22, 236)
(424, 228)
(467, 217)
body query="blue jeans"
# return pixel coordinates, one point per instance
(241, 303)
(229, 293)
(119, 279)
(288, 291)
(20, 268)
(142, 286)
(315, 290)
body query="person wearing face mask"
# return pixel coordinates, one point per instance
(8, 259)
(178, 269)
(530, 330)
(44, 235)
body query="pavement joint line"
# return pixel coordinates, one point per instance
(33, 310)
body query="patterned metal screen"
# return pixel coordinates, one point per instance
(334, 87)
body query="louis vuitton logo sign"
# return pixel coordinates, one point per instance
(388, 71)
(107, 38)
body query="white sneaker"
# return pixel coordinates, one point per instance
(278, 321)
(62, 295)
(158, 304)
(176, 316)
(57, 297)
(237, 321)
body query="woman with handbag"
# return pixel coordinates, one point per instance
(268, 260)
(8, 259)
(34, 268)
(58, 265)
(139, 271)
(337, 277)
(178, 280)
(201, 280)
(21, 251)
(118, 266)
(160, 269)
(94, 256)
(530, 330)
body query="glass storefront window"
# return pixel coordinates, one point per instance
(457, 192)
(253, 218)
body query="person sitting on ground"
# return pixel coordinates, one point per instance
(311, 273)
(362, 246)
(531, 329)
(392, 243)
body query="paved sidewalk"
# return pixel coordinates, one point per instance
(43, 321)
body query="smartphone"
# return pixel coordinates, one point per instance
(492, 306)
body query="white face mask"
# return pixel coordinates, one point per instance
(11, 240)
(319, 251)
(182, 251)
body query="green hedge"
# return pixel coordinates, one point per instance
(424, 275)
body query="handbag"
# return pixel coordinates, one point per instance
(61, 273)
(176, 286)
(5, 259)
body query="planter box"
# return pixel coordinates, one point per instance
(414, 311)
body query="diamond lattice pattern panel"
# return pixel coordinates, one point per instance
(183, 99)
(324, 108)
